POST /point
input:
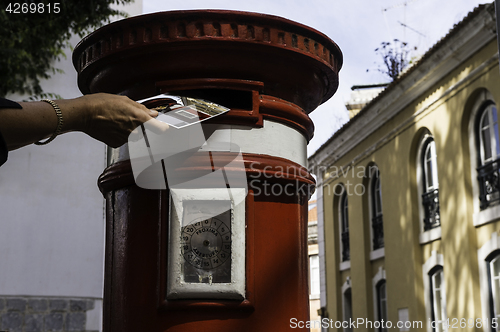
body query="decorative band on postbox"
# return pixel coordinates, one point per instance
(185, 156)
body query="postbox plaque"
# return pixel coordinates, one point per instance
(206, 248)
(206, 244)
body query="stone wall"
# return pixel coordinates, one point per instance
(41, 314)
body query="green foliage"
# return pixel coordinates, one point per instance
(30, 42)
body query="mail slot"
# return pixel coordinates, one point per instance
(207, 229)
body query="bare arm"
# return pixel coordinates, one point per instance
(105, 117)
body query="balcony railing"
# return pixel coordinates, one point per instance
(378, 232)
(489, 186)
(430, 201)
(346, 254)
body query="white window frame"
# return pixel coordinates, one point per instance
(435, 233)
(377, 196)
(379, 277)
(430, 146)
(344, 265)
(493, 280)
(493, 244)
(439, 323)
(491, 214)
(380, 252)
(433, 262)
(314, 274)
(345, 314)
(494, 140)
(382, 304)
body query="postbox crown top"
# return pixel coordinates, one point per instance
(210, 44)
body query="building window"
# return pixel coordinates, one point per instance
(494, 288)
(484, 151)
(489, 280)
(380, 299)
(382, 305)
(377, 220)
(430, 196)
(438, 299)
(489, 153)
(344, 227)
(428, 189)
(314, 289)
(347, 309)
(434, 292)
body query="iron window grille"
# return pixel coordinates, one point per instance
(488, 172)
(430, 201)
(430, 197)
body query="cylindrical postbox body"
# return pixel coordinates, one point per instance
(271, 73)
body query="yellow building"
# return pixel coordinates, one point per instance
(409, 195)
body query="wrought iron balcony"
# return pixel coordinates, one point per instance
(378, 232)
(489, 186)
(346, 253)
(430, 201)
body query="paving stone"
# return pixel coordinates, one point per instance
(33, 323)
(17, 304)
(54, 321)
(90, 304)
(76, 321)
(38, 305)
(78, 305)
(12, 321)
(58, 304)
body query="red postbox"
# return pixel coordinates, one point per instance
(271, 72)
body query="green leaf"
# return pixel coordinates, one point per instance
(31, 43)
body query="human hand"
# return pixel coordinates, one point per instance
(111, 118)
(106, 117)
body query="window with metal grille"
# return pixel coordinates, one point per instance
(489, 156)
(377, 220)
(430, 196)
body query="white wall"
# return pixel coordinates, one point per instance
(51, 211)
(51, 224)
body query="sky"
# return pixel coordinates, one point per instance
(358, 27)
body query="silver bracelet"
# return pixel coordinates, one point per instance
(59, 122)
